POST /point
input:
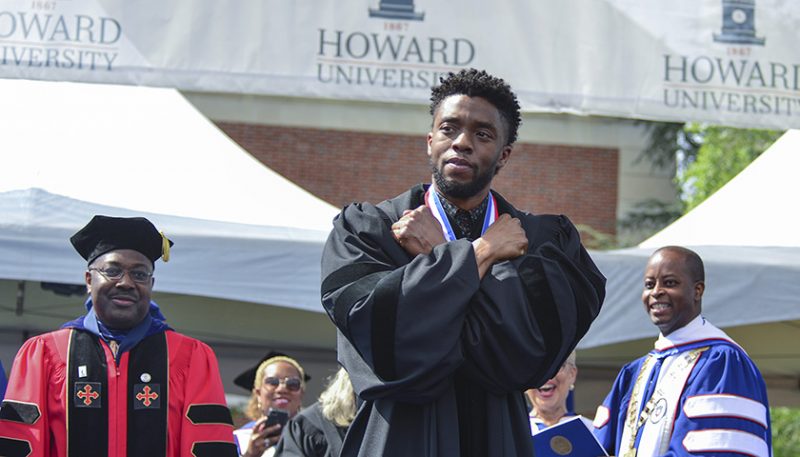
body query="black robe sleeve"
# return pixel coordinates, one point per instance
(530, 313)
(410, 323)
(309, 434)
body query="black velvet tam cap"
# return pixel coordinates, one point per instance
(104, 234)
(246, 378)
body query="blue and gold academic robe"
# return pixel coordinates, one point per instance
(696, 393)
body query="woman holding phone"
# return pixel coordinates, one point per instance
(318, 430)
(276, 397)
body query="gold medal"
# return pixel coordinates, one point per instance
(560, 445)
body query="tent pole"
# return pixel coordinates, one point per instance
(20, 297)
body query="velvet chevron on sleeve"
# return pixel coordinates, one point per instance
(68, 397)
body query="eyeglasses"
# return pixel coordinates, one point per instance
(291, 383)
(116, 274)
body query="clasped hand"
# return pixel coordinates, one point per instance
(505, 238)
(418, 231)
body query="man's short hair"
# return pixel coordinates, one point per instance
(478, 83)
(694, 264)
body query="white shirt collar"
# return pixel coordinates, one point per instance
(696, 330)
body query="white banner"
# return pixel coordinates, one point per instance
(733, 62)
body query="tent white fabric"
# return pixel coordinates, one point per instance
(70, 151)
(748, 234)
(245, 268)
(758, 207)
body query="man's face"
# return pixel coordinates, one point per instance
(466, 146)
(121, 303)
(671, 296)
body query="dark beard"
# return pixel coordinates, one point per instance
(460, 191)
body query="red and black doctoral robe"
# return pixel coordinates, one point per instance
(68, 397)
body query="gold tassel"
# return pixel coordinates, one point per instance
(164, 247)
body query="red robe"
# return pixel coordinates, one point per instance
(47, 403)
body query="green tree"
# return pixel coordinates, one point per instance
(722, 154)
(706, 158)
(785, 432)
(666, 141)
(644, 219)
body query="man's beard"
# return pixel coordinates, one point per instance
(464, 190)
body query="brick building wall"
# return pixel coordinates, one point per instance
(344, 166)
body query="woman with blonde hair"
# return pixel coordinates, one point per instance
(318, 430)
(550, 400)
(279, 384)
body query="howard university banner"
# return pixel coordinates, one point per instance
(731, 62)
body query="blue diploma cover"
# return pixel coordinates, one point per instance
(570, 438)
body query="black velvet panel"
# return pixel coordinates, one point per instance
(209, 414)
(14, 448)
(148, 382)
(87, 381)
(24, 413)
(214, 449)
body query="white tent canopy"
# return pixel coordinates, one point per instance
(758, 207)
(70, 151)
(245, 269)
(748, 234)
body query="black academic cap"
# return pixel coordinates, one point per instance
(246, 378)
(103, 234)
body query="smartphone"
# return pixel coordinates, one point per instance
(277, 416)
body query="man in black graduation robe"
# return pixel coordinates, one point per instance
(449, 301)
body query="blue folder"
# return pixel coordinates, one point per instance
(570, 438)
(2, 381)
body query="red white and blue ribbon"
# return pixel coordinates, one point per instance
(432, 201)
